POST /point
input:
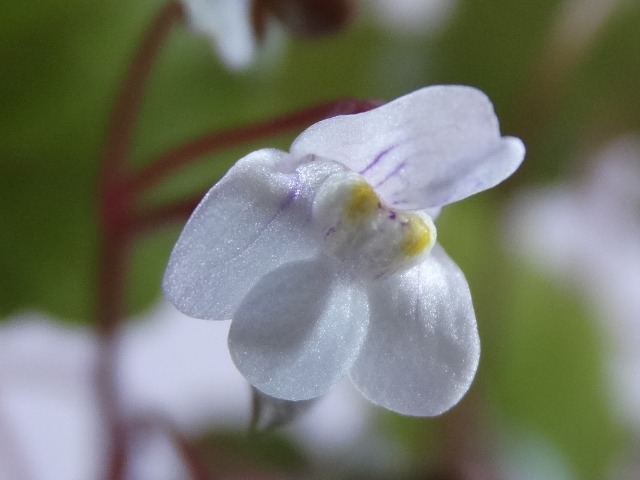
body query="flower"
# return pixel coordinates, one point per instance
(237, 27)
(413, 16)
(228, 24)
(325, 257)
(47, 401)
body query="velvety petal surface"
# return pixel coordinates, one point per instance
(298, 331)
(422, 347)
(252, 221)
(426, 149)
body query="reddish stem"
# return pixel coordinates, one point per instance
(193, 461)
(174, 159)
(159, 216)
(464, 455)
(129, 101)
(110, 408)
(213, 142)
(115, 202)
(195, 464)
(115, 210)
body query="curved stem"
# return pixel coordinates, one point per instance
(213, 142)
(115, 212)
(193, 461)
(129, 101)
(159, 216)
(464, 456)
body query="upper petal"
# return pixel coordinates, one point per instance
(299, 330)
(431, 147)
(422, 348)
(253, 220)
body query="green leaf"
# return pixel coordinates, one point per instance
(552, 379)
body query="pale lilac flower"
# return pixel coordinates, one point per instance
(325, 257)
(50, 427)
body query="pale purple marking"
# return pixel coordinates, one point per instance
(400, 166)
(289, 199)
(291, 196)
(379, 157)
(330, 232)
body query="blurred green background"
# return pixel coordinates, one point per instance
(541, 370)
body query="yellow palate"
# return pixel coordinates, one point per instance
(361, 204)
(363, 232)
(416, 236)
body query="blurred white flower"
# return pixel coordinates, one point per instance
(236, 28)
(589, 234)
(325, 257)
(413, 16)
(227, 23)
(49, 409)
(47, 402)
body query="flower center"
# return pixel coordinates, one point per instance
(365, 234)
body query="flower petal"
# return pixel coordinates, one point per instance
(228, 26)
(299, 330)
(427, 149)
(422, 348)
(252, 221)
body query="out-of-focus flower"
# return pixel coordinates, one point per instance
(413, 16)
(236, 27)
(49, 408)
(589, 234)
(227, 23)
(325, 257)
(48, 402)
(305, 18)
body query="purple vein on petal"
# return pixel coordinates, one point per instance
(394, 172)
(294, 193)
(379, 157)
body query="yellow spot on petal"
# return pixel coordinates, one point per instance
(416, 236)
(362, 202)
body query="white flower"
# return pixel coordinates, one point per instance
(228, 25)
(325, 257)
(413, 16)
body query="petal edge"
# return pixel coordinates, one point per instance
(422, 349)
